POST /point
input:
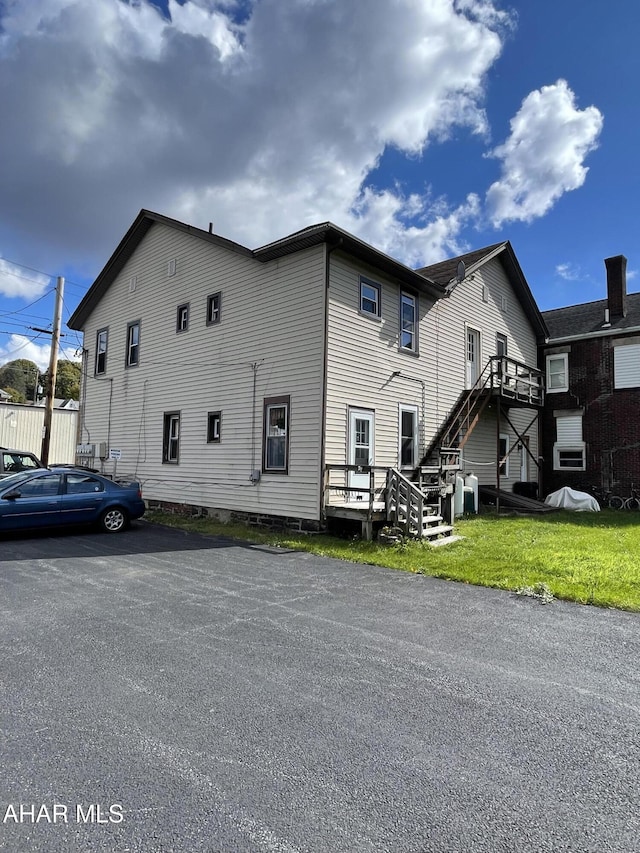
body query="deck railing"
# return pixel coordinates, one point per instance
(516, 380)
(338, 490)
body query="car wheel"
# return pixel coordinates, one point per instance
(113, 520)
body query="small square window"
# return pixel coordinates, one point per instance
(568, 458)
(369, 297)
(182, 318)
(213, 308)
(214, 422)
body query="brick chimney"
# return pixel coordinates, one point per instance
(616, 286)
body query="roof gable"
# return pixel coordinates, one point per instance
(335, 238)
(445, 274)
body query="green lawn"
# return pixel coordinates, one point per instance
(591, 558)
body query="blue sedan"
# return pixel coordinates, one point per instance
(48, 498)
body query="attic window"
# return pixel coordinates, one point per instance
(133, 283)
(171, 267)
(485, 293)
(503, 303)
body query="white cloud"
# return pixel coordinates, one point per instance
(18, 282)
(568, 272)
(262, 127)
(544, 155)
(18, 346)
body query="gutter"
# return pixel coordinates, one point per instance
(602, 333)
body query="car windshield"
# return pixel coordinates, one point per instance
(9, 483)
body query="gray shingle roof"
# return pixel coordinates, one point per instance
(445, 271)
(587, 318)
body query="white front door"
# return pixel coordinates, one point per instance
(473, 356)
(361, 450)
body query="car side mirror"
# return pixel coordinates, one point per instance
(11, 496)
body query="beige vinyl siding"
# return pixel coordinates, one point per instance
(21, 429)
(446, 328)
(363, 361)
(362, 356)
(271, 330)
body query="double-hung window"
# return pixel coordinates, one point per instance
(102, 339)
(408, 429)
(557, 373)
(171, 438)
(133, 344)
(369, 297)
(182, 318)
(214, 304)
(276, 435)
(408, 322)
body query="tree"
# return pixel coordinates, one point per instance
(16, 396)
(20, 375)
(68, 380)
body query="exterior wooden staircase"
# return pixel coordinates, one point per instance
(417, 509)
(515, 382)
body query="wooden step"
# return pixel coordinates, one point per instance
(437, 531)
(445, 540)
(431, 519)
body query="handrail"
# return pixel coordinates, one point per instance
(405, 503)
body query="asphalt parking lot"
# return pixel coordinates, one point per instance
(172, 692)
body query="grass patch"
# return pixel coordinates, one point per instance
(590, 558)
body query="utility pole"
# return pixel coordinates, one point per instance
(53, 368)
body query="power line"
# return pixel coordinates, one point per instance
(24, 307)
(82, 287)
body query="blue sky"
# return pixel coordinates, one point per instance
(426, 127)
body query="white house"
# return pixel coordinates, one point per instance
(243, 381)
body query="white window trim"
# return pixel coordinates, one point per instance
(626, 365)
(565, 387)
(402, 408)
(573, 448)
(378, 288)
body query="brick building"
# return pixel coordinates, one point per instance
(590, 426)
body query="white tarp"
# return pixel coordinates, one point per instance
(566, 498)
